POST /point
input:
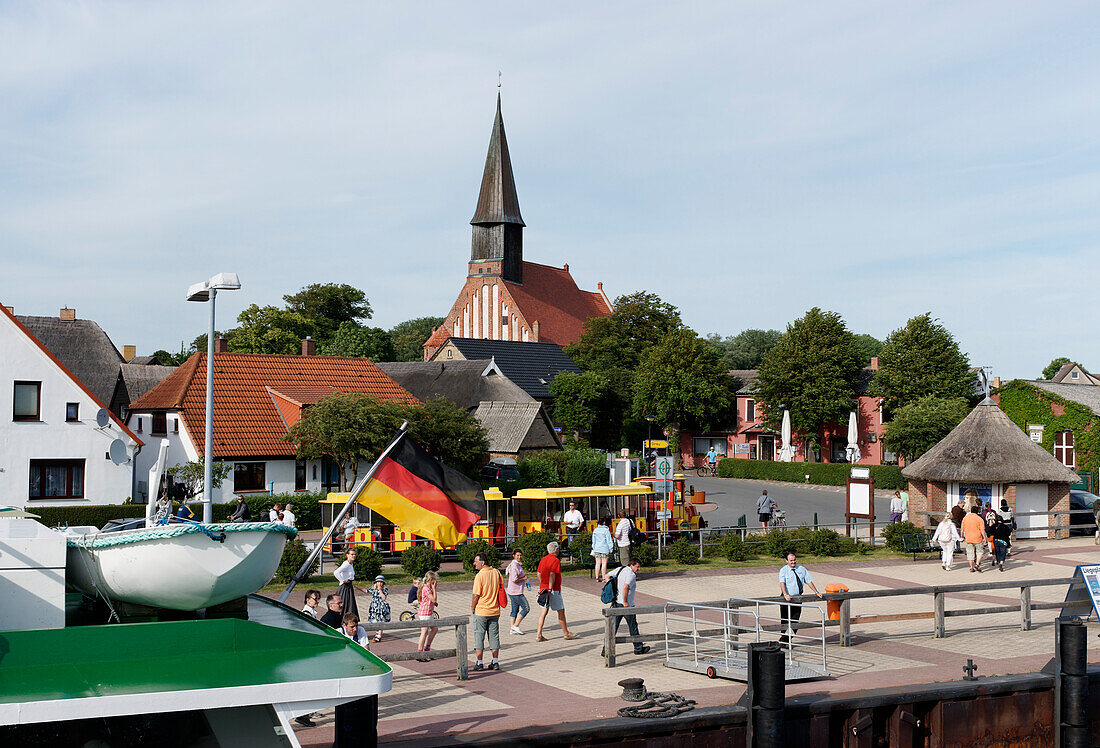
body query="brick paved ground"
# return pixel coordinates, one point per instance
(559, 681)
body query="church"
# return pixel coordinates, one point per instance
(506, 298)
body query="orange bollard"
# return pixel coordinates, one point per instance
(833, 606)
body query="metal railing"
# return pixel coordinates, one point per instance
(461, 650)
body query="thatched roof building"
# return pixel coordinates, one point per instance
(987, 447)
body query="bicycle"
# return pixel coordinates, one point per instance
(778, 520)
(707, 471)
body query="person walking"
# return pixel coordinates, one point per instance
(601, 547)
(625, 580)
(958, 513)
(517, 581)
(550, 592)
(345, 575)
(335, 612)
(289, 519)
(946, 535)
(379, 609)
(313, 599)
(622, 538)
(573, 520)
(1002, 541)
(905, 506)
(428, 599)
(792, 580)
(974, 535)
(485, 607)
(896, 508)
(765, 506)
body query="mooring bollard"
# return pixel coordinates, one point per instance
(1074, 682)
(765, 696)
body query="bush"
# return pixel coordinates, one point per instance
(684, 551)
(294, 555)
(469, 549)
(538, 471)
(821, 473)
(533, 545)
(645, 553)
(824, 542)
(585, 468)
(581, 550)
(419, 559)
(733, 547)
(307, 509)
(778, 543)
(368, 564)
(893, 533)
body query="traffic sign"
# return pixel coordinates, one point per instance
(664, 515)
(661, 487)
(664, 468)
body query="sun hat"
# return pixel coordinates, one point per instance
(380, 578)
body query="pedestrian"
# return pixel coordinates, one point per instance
(958, 513)
(905, 506)
(974, 535)
(1002, 541)
(896, 508)
(622, 538)
(345, 575)
(313, 599)
(1095, 516)
(573, 521)
(352, 630)
(485, 605)
(241, 513)
(379, 609)
(765, 506)
(550, 591)
(335, 612)
(601, 547)
(276, 513)
(428, 599)
(625, 581)
(349, 526)
(289, 519)
(947, 535)
(792, 580)
(517, 581)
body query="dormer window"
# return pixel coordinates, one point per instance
(1073, 375)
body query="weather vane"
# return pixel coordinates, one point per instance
(498, 79)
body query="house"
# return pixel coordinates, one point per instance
(257, 399)
(1072, 372)
(989, 458)
(516, 423)
(52, 451)
(532, 366)
(506, 298)
(137, 379)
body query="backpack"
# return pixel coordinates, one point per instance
(634, 535)
(610, 589)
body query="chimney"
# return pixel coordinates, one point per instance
(68, 315)
(996, 381)
(11, 310)
(221, 345)
(599, 285)
(535, 331)
(874, 363)
(309, 346)
(128, 353)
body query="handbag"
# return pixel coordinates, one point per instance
(544, 598)
(502, 596)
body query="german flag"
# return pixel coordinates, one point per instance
(422, 495)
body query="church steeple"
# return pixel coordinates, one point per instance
(497, 243)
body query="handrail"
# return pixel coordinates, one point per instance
(461, 651)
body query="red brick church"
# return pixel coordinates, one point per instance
(505, 297)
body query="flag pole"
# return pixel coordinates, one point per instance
(356, 492)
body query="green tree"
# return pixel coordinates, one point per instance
(449, 433)
(869, 347)
(1053, 367)
(812, 371)
(168, 359)
(747, 349)
(577, 398)
(327, 305)
(191, 475)
(410, 336)
(355, 340)
(269, 329)
(918, 426)
(921, 358)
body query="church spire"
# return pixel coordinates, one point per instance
(497, 242)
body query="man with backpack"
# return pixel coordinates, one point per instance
(623, 532)
(619, 591)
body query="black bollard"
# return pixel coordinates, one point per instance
(767, 693)
(1074, 682)
(357, 724)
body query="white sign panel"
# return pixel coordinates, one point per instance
(662, 487)
(1092, 584)
(664, 468)
(664, 515)
(859, 498)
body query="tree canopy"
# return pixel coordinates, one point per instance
(812, 371)
(353, 339)
(327, 305)
(192, 474)
(1053, 367)
(746, 349)
(577, 399)
(268, 329)
(869, 347)
(410, 336)
(918, 426)
(448, 432)
(922, 358)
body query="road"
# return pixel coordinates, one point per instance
(735, 497)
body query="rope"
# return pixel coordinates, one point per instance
(658, 706)
(160, 532)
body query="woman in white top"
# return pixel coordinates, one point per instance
(345, 575)
(313, 599)
(289, 517)
(946, 535)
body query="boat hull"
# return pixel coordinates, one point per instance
(171, 566)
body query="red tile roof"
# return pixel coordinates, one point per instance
(550, 296)
(253, 393)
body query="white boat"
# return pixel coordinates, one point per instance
(182, 566)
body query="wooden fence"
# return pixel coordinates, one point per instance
(461, 650)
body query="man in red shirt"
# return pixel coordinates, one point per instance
(550, 583)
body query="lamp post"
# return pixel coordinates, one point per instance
(207, 290)
(649, 442)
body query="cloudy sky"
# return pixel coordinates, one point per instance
(745, 161)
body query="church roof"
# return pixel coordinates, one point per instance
(498, 202)
(550, 296)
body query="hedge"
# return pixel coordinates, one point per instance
(821, 473)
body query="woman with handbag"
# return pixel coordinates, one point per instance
(517, 580)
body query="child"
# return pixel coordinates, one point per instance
(428, 599)
(354, 631)
(379, 610)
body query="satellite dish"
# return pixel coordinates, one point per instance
(102, 418)
(117, 451)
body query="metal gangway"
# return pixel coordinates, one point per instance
(714, 639)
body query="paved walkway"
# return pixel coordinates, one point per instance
(559, 681)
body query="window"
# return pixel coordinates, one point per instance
(1035, 431)
(72, 411)
(28, 401)
(160, 424)
(701, 445)
(175, 425)
(57, 479)
(249, 476)
(1073, 375)
(299, 475)
(750, 410)
(139, 426)
(1063, 449)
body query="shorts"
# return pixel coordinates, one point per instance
(555, 602)
(766, 518)
(596, 554)
(975, 551)
(487, 627)
(423, 618)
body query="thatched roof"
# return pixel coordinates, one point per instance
(987, 447)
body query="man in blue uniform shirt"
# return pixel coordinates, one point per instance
(792, 580)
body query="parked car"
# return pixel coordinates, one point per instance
(500, 470)
(1079, 500)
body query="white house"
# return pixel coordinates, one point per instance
(52, 453)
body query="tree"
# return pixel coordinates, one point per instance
(577, 399)
(921, 358)
(191, 475)
(410, 336)
(812, 372)
(269, 329)
(327, 305)
(168, 359)
(682, 382)
(869, 347)
(1053, 367)
(918, 426)
(449, 433)
(746, 349)
(355, 340)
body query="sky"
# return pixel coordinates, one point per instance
(745, 161)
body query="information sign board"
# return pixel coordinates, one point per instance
(1084, 596)
(664, 468)
(662, 487)
(664, 515)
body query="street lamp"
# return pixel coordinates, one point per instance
(208, 291)
(649, 442)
